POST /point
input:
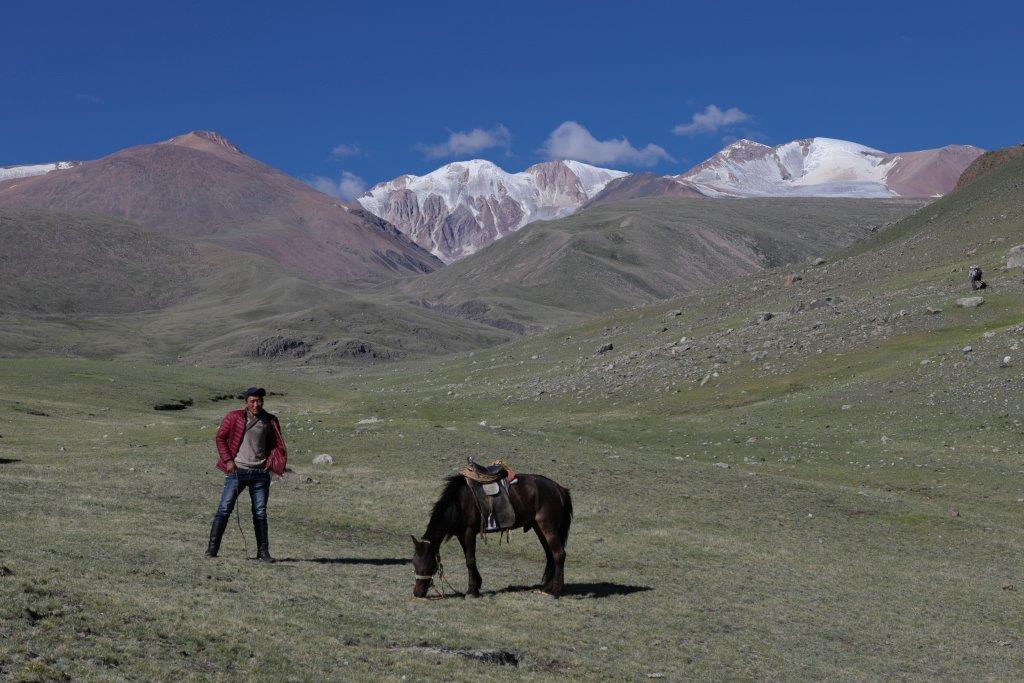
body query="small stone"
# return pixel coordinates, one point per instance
(605, 348)
(818, 262)
(845, 406)
(885, 440)
(953, 512)
(722, 465)
(970, 301)
(967, 349)
(323, 459)
(931, 310)
(1006, 362)
(791, 279)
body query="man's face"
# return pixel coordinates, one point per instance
(254, 404)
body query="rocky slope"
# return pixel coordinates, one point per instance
(464, 206)
(202, 187)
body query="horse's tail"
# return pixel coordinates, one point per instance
(563, 529)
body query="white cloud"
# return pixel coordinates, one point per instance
(466, 143)
(711, 120)
(348, 187)
(343, 150)
(572, 141)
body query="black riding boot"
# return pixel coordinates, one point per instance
(262, 541)
(216, 533)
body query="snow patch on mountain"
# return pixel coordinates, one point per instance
(811, 167)
(11, 172)
(825, 167)
(461, 207)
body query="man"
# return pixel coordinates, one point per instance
(975, 276)
(250, 447)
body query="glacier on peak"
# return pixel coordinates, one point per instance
(462, 206)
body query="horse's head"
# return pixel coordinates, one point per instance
(424, 563)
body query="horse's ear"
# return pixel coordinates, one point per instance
(415, 541)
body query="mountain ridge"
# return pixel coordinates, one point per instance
(200, 186)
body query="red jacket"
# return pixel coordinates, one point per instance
(229, 440)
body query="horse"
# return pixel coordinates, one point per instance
(540, 504)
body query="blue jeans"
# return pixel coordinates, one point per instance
(259, 492)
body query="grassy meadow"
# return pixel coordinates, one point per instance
(818, 552)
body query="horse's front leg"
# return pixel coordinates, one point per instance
(468, 541)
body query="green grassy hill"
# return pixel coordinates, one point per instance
(642, 251)
(96, 286)
(55, 262)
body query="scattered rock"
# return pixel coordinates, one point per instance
(931, 310)
(885, 440)
(818, 262)
(1005, 362)
(763, 317)
(953, 512)
(967, 349)
(970, 301)
(791, 279)
(323, 459)
(369, 421)
(722, 465)
(605, 348)
(1015, 257)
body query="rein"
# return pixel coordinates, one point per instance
(441, 580)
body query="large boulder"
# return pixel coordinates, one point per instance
(1015, 257)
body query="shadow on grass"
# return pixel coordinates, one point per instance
(375, 561)
(601, 589)
(8, 461)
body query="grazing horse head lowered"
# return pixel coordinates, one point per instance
(540, 504)
(425, 564)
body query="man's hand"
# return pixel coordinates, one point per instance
(231, 466)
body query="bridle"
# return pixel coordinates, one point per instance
(441, 580)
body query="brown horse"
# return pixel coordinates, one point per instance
(540, 504)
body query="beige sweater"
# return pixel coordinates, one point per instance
(252, 454)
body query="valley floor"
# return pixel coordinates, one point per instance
(775, 536)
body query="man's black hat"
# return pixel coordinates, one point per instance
(254, 391)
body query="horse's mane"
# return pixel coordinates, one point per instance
(447, 512)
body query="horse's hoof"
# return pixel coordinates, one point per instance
(546, 594)
(472, 596)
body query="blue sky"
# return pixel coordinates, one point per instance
(360, 92)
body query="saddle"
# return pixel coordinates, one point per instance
(489, 484)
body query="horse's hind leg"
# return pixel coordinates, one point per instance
(549, 567)
(468, 542)
(556, 583)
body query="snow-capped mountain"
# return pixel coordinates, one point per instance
(823, 167)
(11, 172)
(464, 206)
